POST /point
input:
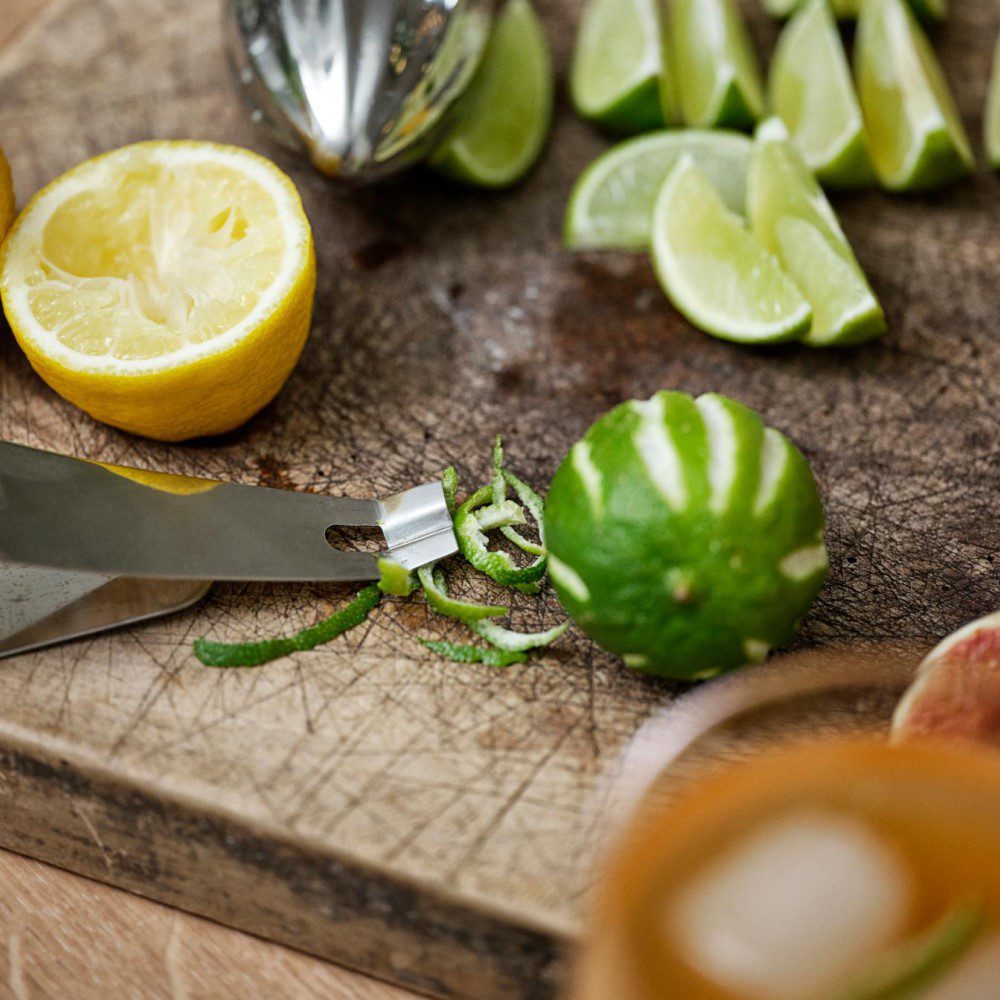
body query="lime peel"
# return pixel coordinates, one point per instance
(432, 580)
(517, 642)
(464, 653)
(395, 579)
(472, 543)
(255, 654)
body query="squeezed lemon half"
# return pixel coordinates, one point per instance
(7, 204)
(165, 288)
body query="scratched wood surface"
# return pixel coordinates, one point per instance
(430, 822)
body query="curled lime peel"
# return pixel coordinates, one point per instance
(517, 642)
(449, 483)
(395, 579)
(501, 478)
(473, 545)
(500, 515)
(462, 653)
(255, 654)
(432, 580)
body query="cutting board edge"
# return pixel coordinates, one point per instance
(115, 831)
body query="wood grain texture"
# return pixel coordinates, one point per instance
(368, 802)
(65, 936)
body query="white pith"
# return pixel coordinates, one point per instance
(723, 451)
(568, 578)
(658, 453)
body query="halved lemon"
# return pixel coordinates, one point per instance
(7, 203)
(165, 288)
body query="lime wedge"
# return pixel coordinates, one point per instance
(505, 120)
(611, 207)
(917, 139)
(848, 10)
(812, 92)
(618, 67)
(992, 120)
(715, 271)
(716, 71)
(792, 218)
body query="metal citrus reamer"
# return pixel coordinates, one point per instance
(363, 87)
(86, 547)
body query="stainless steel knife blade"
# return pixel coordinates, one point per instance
(72, 514)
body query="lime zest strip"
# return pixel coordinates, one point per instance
(395, 579)
(449, 483)
(913, 965)
(472, 543)
(254, 654)
(501, 478)
(432, 580)
(516, 642)
(462, 653)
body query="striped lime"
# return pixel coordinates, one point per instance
(685, 536)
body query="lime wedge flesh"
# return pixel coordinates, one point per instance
(715, 271)
(506, 115)
(716, 71)
(811, 90)
(792, 218)
(611, 207)
(618, 66)
(848, 10)
(992, 121)
(916, 137)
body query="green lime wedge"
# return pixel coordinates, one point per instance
(618, 77)
(811, 90)
(916, 137)
(685, 536)
(506, 115)
(929, 11)
(611, 207)
(715, 271)
(792, 218)
(992, 119)
(716, 72)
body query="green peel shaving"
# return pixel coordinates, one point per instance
(488, 510)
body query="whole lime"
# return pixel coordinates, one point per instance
(685, 536)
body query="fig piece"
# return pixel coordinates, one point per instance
(956, 693)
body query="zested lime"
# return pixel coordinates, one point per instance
(685, 536)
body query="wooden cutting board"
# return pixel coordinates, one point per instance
(430, 822)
